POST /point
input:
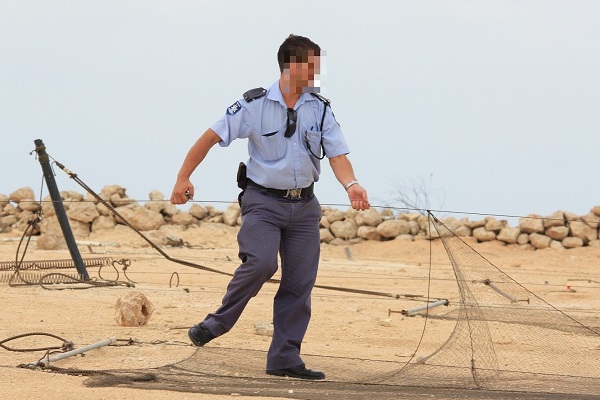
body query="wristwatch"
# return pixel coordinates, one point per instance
(350, 184)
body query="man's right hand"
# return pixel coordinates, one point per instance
(182, 192)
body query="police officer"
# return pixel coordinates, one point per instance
(289, 129)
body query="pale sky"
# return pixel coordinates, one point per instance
(494, 104)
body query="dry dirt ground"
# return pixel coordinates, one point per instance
(399, 267)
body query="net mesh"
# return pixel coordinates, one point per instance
(503, 341)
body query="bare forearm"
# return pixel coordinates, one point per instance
(197, 153)
(342, 168)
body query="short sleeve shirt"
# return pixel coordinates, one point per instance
(276, 161)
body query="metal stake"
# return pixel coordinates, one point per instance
(60, 356)
(60, 209)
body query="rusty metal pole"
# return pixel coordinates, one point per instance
(60, 209)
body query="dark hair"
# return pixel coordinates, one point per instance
(295, 49)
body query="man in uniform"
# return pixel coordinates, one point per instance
(289, 129)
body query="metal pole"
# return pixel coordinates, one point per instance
(412, 311)
(60, 209)
(509, 296)
(55, 357)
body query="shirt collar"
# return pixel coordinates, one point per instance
(275, 95)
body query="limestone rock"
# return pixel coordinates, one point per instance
(4, 200)
(156, 206)
(423, 222)
(475, 224)
(133, 309)
(532, 223)
(29, 205)
(231, 214)
(9, 209)
(90, 199)
(103, 222)
(583, 231)
(387, 214)
(183, 218)
(415, 228)
(590, 218)
(557, 245)
(523, 238)
(324, 223)
(572, 242)
(596, 210)
(335, 215)
(345, 229)
(103, 210)
(22, 194)
(156, 195)
(494, 225)
(463, 231)
(326, 235)
(509, 235)
(120, 201)
(71, 196)
(82, 211)
(198, 211)
(170, 209)
(264, 328)
(483, 235)
(370, 217)
(557, 232)
(408, 238)
(110, 190)
(410, 216)
(539, 241)
(393, 227)
(8, 221)
(141, 218)
(555, 219)
(51, 241)
(368, 232)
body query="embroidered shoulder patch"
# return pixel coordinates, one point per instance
(235, 107)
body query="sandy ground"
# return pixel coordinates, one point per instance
(399, 267)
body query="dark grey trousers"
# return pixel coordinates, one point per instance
(272, 224)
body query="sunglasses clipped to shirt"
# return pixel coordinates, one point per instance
(292, 117)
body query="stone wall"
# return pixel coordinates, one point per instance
(560, 230)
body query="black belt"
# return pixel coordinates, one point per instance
(293, 193)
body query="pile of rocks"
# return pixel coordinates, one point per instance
(560, 230)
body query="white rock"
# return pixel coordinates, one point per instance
(133, 309)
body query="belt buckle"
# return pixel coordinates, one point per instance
(294, 193)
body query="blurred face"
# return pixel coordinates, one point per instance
(304, 76)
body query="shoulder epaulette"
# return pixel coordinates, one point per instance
(322, 98)
(254, 94)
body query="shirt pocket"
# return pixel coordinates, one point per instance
(312, 142)
(271, 145)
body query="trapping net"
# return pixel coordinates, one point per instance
(498, 338)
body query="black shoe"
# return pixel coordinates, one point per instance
(299, 371)
(200, 335)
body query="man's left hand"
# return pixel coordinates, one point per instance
(358, 198)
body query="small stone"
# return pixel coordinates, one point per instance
(133, 309)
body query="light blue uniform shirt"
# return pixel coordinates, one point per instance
(276, 161)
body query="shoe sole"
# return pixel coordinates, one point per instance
(292, 375)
